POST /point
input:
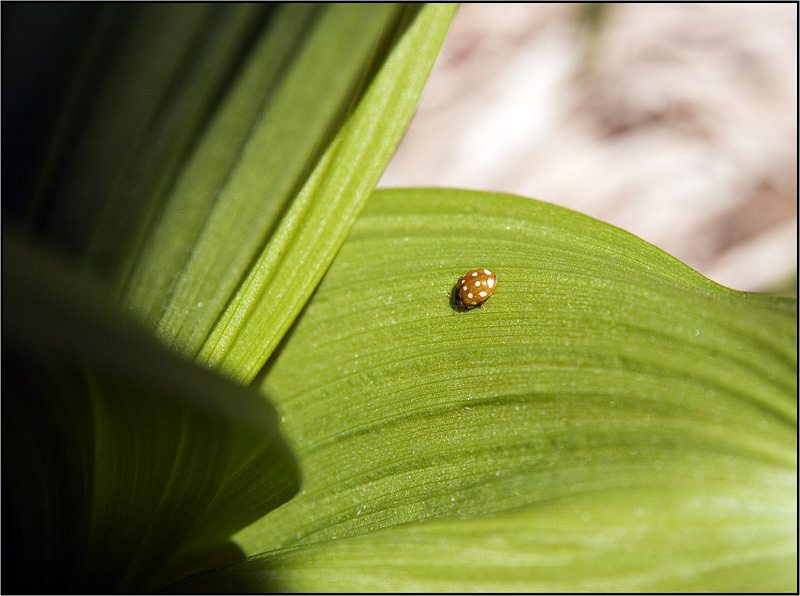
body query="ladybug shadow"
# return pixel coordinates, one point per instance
(456, 305)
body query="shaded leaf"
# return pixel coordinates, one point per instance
(122, 463)
(204, 151)
(143, 84)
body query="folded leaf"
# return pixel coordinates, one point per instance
(285, 273)
(600, 365)
(123, 464)
(294, 90)
(208, 160)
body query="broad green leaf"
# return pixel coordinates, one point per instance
(600, 365)
(123, 465)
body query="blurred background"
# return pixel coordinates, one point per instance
(676, 122)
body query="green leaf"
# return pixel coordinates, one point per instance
(632, 540)
(205, 152)
(286, 272)
(123, 464)
(600, 367)
(191, 150)
(273, 124)
(142, 86)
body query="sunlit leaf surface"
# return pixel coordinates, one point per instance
(600, 367)
(635, 540)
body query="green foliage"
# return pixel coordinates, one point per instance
(181, 279)
(122, 462)
(617, 540)
(601, 367)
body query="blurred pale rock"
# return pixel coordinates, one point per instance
(677, 122)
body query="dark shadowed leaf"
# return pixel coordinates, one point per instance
(122, 463)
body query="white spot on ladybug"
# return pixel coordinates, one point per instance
(469, 295)
(474, 274)
(477, 284)
(482, 294)
(490, 282)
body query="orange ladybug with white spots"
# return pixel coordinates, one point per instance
(475, 287)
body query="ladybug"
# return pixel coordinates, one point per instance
(475, 287)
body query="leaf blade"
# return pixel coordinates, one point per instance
(579, 544)
(318, 220)
(289, 94)
(129, 462)
(599, 362)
